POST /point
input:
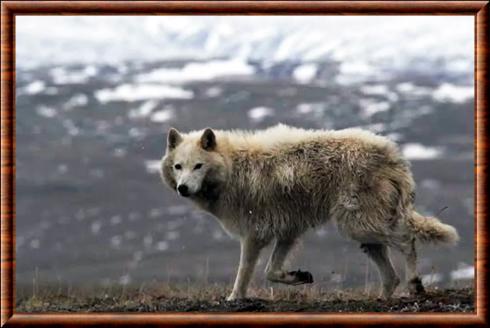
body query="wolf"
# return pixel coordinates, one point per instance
(273, 185)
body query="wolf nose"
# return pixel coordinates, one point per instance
(183, 190)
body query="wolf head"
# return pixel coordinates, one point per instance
(193, 165)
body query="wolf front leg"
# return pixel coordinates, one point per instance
(250, 251)
(275, 271)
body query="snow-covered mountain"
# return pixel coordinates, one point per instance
(365, 46)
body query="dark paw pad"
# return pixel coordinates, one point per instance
(364, 248)
(303, 277)
(416, 286)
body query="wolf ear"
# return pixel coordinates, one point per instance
(208, 139)
(173, 138)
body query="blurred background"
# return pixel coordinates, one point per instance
(96, 95)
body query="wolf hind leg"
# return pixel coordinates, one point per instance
(275, 271)
(378, 253)
(414, 283)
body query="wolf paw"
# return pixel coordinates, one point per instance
(301, 277)
(415, 286)
(234, 297)
(389, 287)
(364, 248)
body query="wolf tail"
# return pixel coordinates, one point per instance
(431, 230)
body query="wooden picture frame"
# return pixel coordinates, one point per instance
(11, 9)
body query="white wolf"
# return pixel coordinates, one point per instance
(274, 184)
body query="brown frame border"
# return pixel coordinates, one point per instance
(9, 9)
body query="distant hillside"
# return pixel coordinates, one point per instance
(96, 95)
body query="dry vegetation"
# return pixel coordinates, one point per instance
(211, 298)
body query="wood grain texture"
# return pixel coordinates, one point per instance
(222, 319)
(7, 164)
(247, 7)
(482, 58)
(480, 9)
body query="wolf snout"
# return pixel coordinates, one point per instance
(183, 190)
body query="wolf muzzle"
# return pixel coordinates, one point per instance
(183, 190)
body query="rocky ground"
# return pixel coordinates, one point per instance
(212, 299)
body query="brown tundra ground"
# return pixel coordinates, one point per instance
(211, 298)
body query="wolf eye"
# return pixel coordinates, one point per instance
(198, 166)
(178, 166)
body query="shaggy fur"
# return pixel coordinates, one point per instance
(275, 184)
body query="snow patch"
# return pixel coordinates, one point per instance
(147, 241)
(155, 213)
(418, 151)
(172, 235)
(163, 115)
(351, 72)
(199, 72)
(95, 227)
(413, 90)
(258, 114)
(129, 92)
(305, 73)
(144, 110)
(153, 166)
(62, 75)
(115, 220)
(177, 210)
(35, 243)
(431, 184)
(304, 108)
(464, 272)
(125, 280)
(375, 89)
(162, 246)
(46, 111)
(213, 92)
(379, 90)
(116, 241)
(448, 92)
(371, 106)
(62, 168)
(120, 152)
(78, 100)
(430, 279)
(376, 127)
(34, 87)
(315, 109)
